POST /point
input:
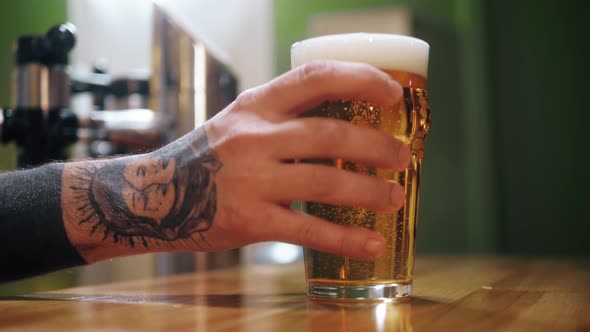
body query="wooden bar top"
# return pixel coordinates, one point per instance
(450, 294)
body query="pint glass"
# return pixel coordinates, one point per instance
(389, 277)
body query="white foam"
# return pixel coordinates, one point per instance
(385, 51)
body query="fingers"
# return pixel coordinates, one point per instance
(311, 84)
(326, 184)
(333, 139)
(312, 232)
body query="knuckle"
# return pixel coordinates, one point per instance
(386, 148)
(328, 131)
(397, 196)
(244, 142)
(316, 70)
(337, 136)
(372, 73)
(384, 195)
(371, 193)
(247, 98)
(305, 234)
(383, 149)
(321, 185)
(397, 157)
(377, 194)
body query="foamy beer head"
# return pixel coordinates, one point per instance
(391, 53)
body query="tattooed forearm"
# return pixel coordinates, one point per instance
(160, 198)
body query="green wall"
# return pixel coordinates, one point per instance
(18, 18)
(539, 60)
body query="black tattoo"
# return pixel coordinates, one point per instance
(168, 196)
(32, 234)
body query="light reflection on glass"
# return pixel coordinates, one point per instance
(284, 253)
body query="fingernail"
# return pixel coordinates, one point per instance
(397, 196)
(374, 247)
(404, 155)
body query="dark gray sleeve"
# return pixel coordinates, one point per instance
(32, 235)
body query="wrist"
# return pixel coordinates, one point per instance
(89, 203)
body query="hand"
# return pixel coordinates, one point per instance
(256, 135)
(231, 182)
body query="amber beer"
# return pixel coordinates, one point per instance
(389, 277)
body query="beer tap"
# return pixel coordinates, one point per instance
(120, 122)
(40, 122)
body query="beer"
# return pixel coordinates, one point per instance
(405, 59)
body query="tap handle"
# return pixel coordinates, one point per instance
(58, 42)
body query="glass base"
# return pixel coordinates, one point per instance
(359, 293)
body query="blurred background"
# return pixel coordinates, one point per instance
(505, 162)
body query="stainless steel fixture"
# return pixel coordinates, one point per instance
(189, 85)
